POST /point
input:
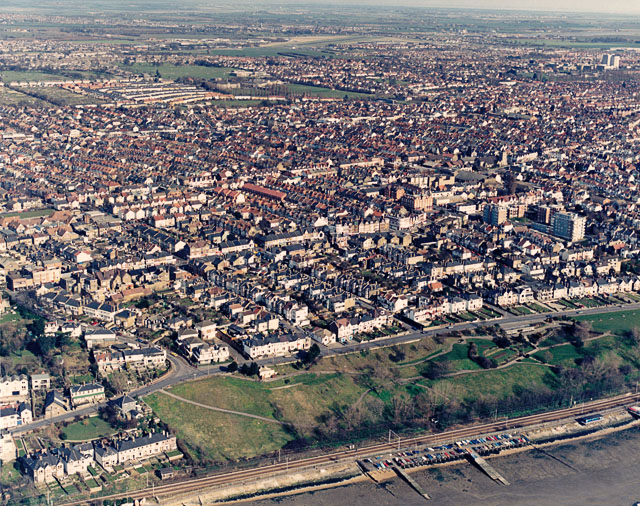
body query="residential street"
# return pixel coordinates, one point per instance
(182, 371)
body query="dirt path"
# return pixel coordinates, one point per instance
(221, 410)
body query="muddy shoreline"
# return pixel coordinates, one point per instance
(599, 471)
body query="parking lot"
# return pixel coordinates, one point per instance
(427, 456)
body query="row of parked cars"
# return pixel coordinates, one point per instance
(488, 445)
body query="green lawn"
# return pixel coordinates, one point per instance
(63, 96)
(9, 316)
(484, 345)
(498, 383)
(618, 322)
(10, 97)
(82, 378)
(25, 358)
(539, 308)
(9, 76)
(168, 71)
(561, 354)
(304, 398)
(87, 429)
(502, 356)
(489, 312)
(9, 473)
(218, 436)
(459, 358)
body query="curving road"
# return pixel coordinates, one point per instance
(181, 370)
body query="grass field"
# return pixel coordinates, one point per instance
(521, 310)
(539, 308)
(15, 98)
(10, 316)
(66, 97)
(459, 359)
(498, 383)
(9, 76)
(302, 399)
(218, 436)
(168, 71)
(379, 376)
(24, 358)
(87, 429)
(561, 354)
(618, 322)
(9, 473)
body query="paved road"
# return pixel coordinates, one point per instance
(181, 370)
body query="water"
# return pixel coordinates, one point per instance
(603, 472)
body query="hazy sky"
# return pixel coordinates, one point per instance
(627, 7)
(613, 6)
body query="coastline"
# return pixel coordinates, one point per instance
(597, 469)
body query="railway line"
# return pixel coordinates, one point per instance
(430, 439)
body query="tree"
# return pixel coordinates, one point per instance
(118, 382)
(472, 353)
(581, 330)
(502, 341)
(312, 354)
(36, 327)
(143, 303)
(232, 367)
(45, 345)
(398, 355)
(250, 370)
(436, 369)
(402, 410)
(12, 338)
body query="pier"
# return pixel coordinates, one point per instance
(411, 482)
(487, 468)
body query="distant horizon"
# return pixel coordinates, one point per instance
(559, 7)
(549, 6)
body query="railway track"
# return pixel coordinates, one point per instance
(431, 439)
